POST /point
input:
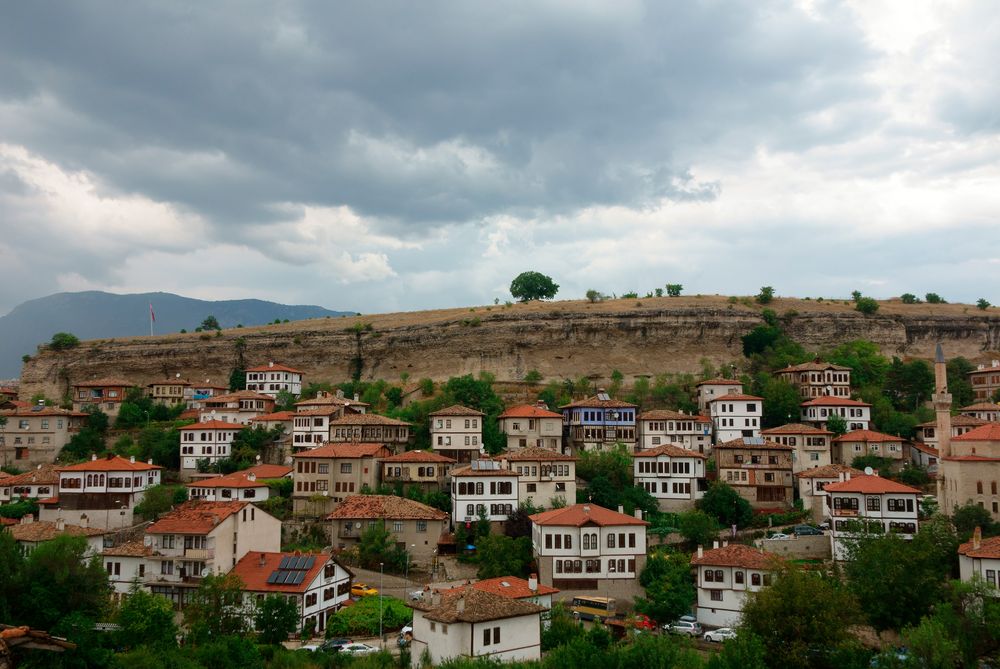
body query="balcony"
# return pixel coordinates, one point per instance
(199, 553)
(846, 513)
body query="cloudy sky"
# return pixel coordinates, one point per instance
(381, 156)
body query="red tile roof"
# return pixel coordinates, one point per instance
(829, 400)
(385, 506)
(960, 420)
(736, 397)
(234, 480)
(871, 485)
(368, 419)
(195, 517)
(599, 403)
(267, 471)
(136, 548)
(972, 458)
(256, 567)
(419, 456)
(110, 463)
(768, 445)
(814, 366)
(512, 587)
(829, 472)
(924, 448)
(987, 432)
(30, 410)
(214, 425)
(982, 406)
(456, 410)
(737, 555)
(579, 515)
(277, 416)
(42, 475)
(345, 450)
(477, 606)
(273, 367)
(795, 428)
(535, 454)
(43, 530)
(168, 382)
(332, 400)
(469, 471)
(870, 436)
(719, 382)
(237, 396)
(988, 548)
(664, 414)
(529, 411)
(327, 410)
(670, 450)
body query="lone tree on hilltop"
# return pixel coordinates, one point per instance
(210, 323)
(765, 295)
(528, 286)
(63, 340)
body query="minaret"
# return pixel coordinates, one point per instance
(942, 408)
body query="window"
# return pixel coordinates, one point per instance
(716, 595)
(873, 504)
(397, 526)
(345, 467)
(611, 540)
(709, 576)
(754, 579)
(421, 526)
(738, 577)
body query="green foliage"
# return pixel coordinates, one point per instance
(958, 381)
(670, 590)
(609, 481)
(56, 581)
(230, 650)
(216, 608)
(883, 466)
(563, 628)
(746, 651)
(799, 613)
(722, 502)
(276, 618)
(159, 499)
(615, 464)
(533, 377)
(518, 521)
(765, 295)
(19, 509)
(146, 619)
(781, 400)
(11, 566)
(89, 440)
(377, 545)
(913, 475)
(856, 296)
(699, 528)
(528, 286)
(361, 619)
(909, 298)
(868, 366)
(934, 298)
(674, 289)
(968, 517)
(837, 425)
(500, 555)
(866, 305)
(983, 304)
(139, 409)
(896, 581)
(760, 338)
(594, 296)
(909, 384)
(62, 341)
(210, 323)
(237, 379)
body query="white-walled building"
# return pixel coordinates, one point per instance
(588, 547)
(818, 379)
(36, 435)
(598, 423)
(126, 565)
(735, 415)
(484, 486)
(315, 583)
(530, 425)
(543, 476)
(710, 389)
(41, 482)
(690, 431)
(726, 575)
(210, 440)
(29, 533)
(271, 379)
(988, 411)
(811, 444)
(812, 487)
(674, 476)
(857, 414)
(466, 622)
(980, 557)
(858, 443)
(457, 432)
(960, 424)
(873, 504)
(525, 590)
(311, 427)
(239, 407)
(248, 485)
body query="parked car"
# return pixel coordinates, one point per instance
(806, 531)
(641, 621)
(779, 536)
(358, 649)
(363, 590)
(311, 647)
(405, 636)
(721, 634)
(690, 628)
(334, 645)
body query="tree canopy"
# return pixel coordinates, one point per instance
(528, 286)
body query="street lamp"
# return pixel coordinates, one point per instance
(380, 572)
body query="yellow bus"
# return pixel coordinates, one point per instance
(593, 608)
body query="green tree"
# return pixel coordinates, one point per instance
(670, 590)
(146, 619)
(699, 528)
(674, 289)
(210, 323)
(837, 425)
(528, 286)
(765, 295)
(800, 612)
(562, 629)
(237, 379)
(159, 499)
(533, 377)
(760, 338)
(216, 608)
(909, 384)
(958, 381)
(722, 502)
(868, 366)
(89, 440)
(58, 580)
(909, 298)
(62, 341)
(594, 296)
(500, 555)
(746, 651)
(866, 305)
(934, 298)
(11, 566)
(518, 521)
(284, 401)
(856, 295)
(968, 517)
(982, 304)
(781, 400)
(276, 618)
(378, 546)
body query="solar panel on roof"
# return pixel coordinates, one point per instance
(297, 562)
(298, 576)
(284, 562)
(273, 578)
(753, 441)
(310, 561)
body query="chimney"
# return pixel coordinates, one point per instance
(460, 605)
(724, 543)
(41, 403)
(621, 509)
(436, 599)
(340, 394)
(132, 459)
(150, 461)
(84, 521)
(93, 456)
(715, 544)
(270, 364)
(586, 509)
(539, 404)
(356, 397)
(60, 525)
(977, 538)
(638, 514)
(262, 560)
(533, 582)
(27, 519)
(701, 552)
(840, 477)
(251, 477)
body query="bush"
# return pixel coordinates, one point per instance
(361, 619)
(674, 289)
(62, 341)
(934, 298)
(982, 304)
(909, 298)
(866, 305)
(594, 295)
(765, 295)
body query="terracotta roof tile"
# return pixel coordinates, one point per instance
(237, 396)
(105, 382)
(871, 485)
(814, 366)
(925, 448)
(234, 480)
(214, 425)
(345, 450)
(670, 450)
(829, 472)
(960, 420)
(168, 382)
(276, 417)
(736, 397)
(267, 471)
(43, 530)
(368, 419)
(982, 406)
(599, 404)
(46, 474)
(256, 567)
(870, 436)
(136, 548)
(579, 515)
(195, 517)
(768, 445)
(419, 456)
(511, 587)
(719, 382)
(529, 411)
(469, 471)
(456, 410)
(972, 458)
(988, 548)
(110, 463)
(385, 506)
(33, 410)
(274, 368)
(795, 428)
(829, 400)
(987, 432)
(332, 400)
(737, 555)
(664, 414)
(476, 606)
(534, 454)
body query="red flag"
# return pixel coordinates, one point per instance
(152, 316)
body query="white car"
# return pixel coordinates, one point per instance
(311, 647)
(779, 536)
(721, 634)
(358, 649)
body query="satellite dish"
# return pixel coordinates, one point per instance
(206, 572)
(869, 471)
(357, 525)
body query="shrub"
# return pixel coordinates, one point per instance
(909, 298)
(362, 618)
(62, 341)
(982, 304)
(866, 305)
(934, 298)
(674, 289)
(765, 295)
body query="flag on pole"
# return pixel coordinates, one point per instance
(152, 316)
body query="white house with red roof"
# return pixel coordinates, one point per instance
(41, 482)
(311, 426)
(246, 485)
(527, 425)
(105, 490)
(857, 414)
(870, 503)
(736, 415)
(690, 431)
(425, 469)
(980, 558)
(413, 525)
(812, 487)
(457, 432)
(126, 566)
(514, 587)
(272, 420)
(483, 486)
(209, 440)
(238, 407)
(544, 477)
(709, 389)
(858, 443)
(969, 471)
(316, 583)
(588, 547)
(674, 476)
(200, 538)
(30, 533)
(271, 379)
(726, 575)
(988, 411)
(811, 444)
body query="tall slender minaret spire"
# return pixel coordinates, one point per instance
(942, 409)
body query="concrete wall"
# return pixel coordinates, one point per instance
(810, 547)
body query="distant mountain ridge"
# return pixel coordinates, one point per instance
(96, 315)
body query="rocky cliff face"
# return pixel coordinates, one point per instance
(560, 340)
